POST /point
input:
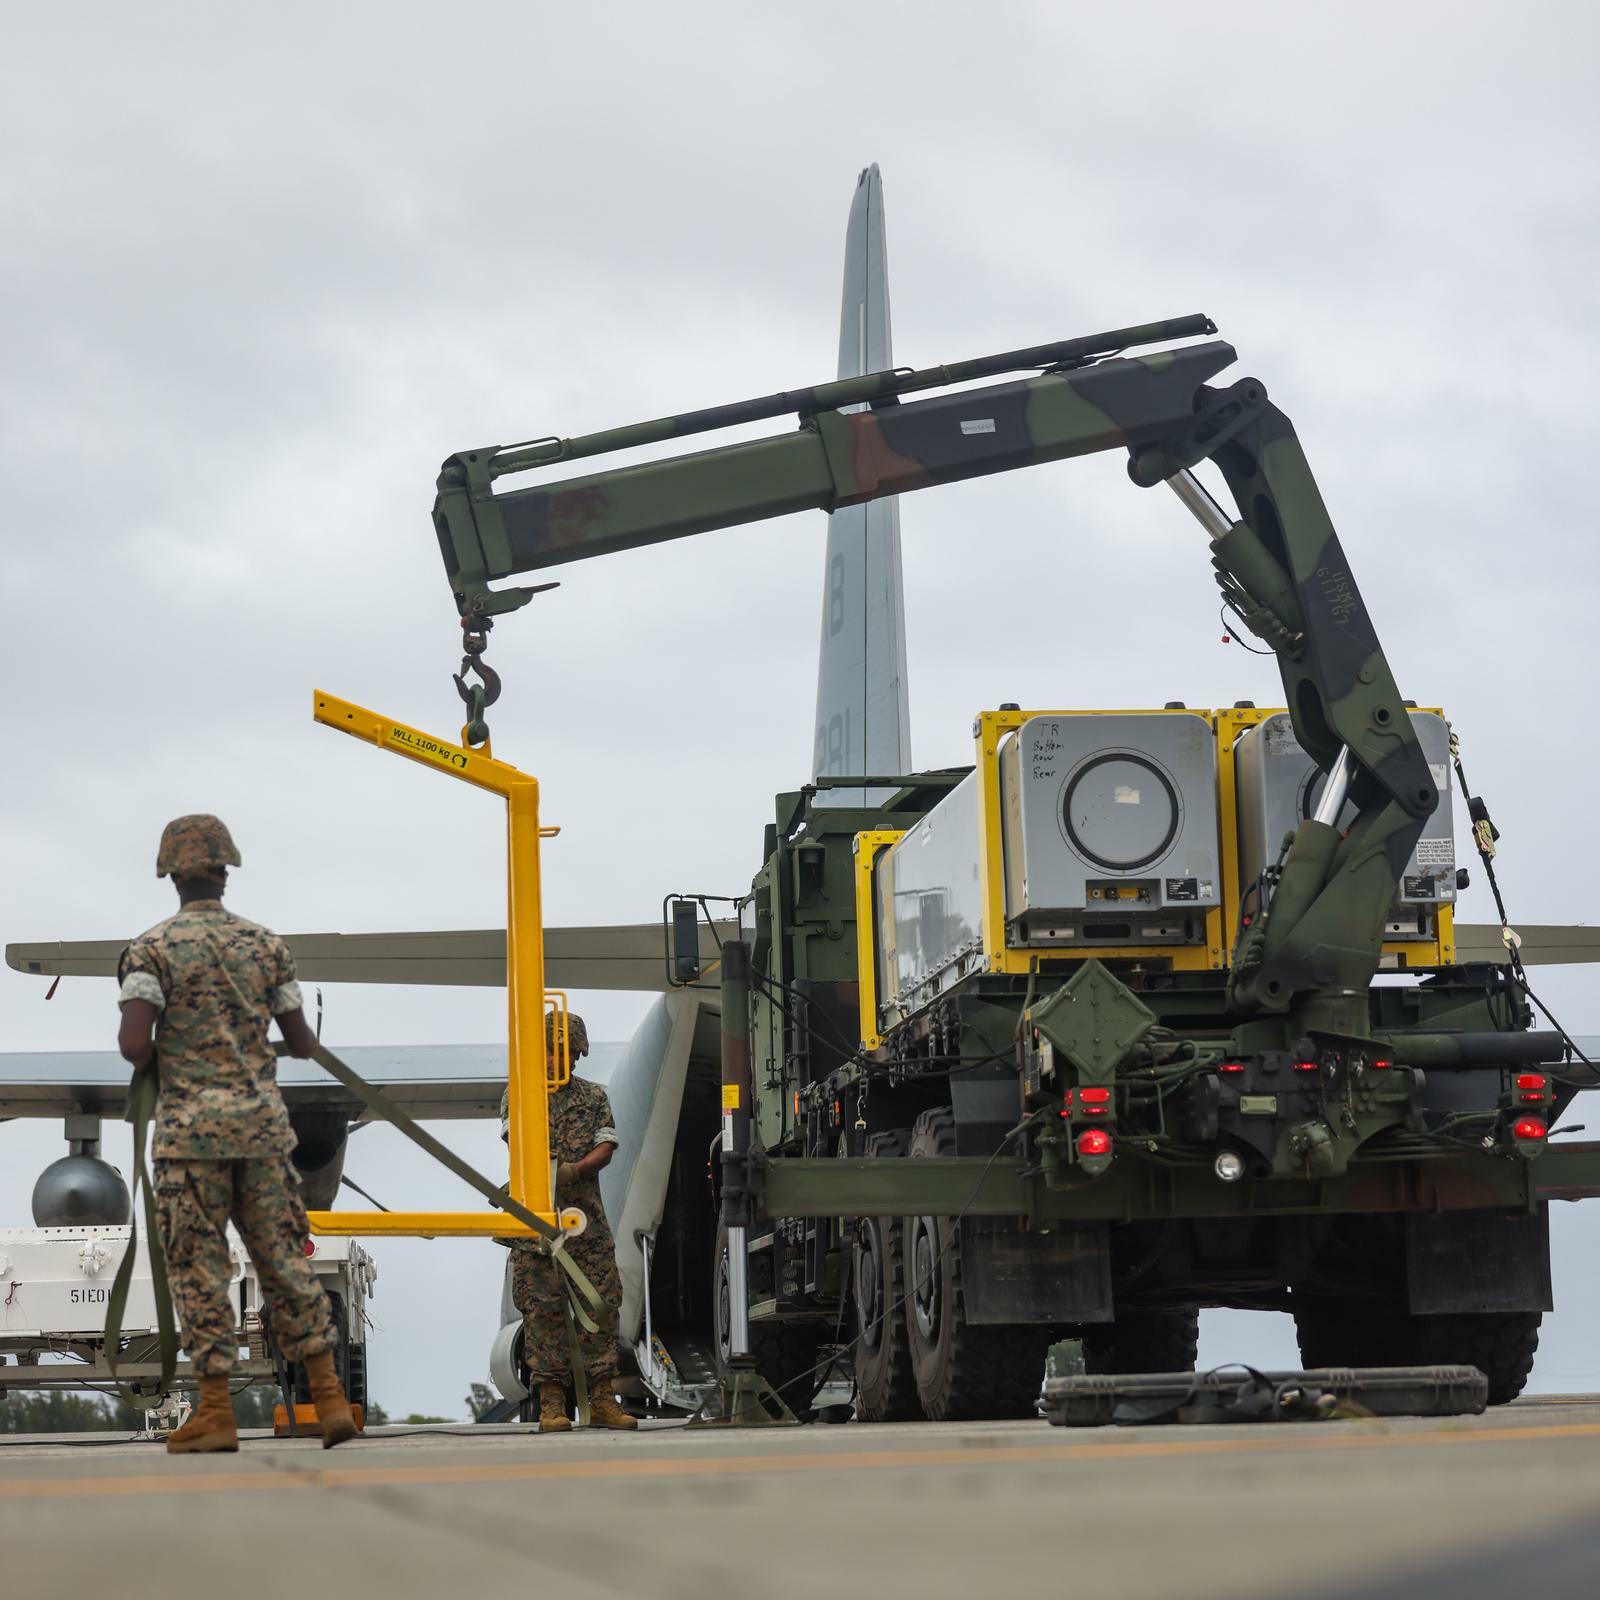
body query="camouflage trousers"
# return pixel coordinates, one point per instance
(195, 1200)
(539, 1292)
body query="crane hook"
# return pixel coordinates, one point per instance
(477, 697)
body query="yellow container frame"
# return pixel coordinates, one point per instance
(1403, 955)
(990, 729)
(866, 846)
(527, 1000)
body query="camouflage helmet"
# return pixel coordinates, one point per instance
(192, 845)
(577, 1034)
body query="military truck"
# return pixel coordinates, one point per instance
(1146, 1010)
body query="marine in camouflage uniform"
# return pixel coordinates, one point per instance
(222, 1139)
(581, 1125)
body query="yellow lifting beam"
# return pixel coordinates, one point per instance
(526, 998)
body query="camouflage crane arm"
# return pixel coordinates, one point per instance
(1279, 563)
(834, 460)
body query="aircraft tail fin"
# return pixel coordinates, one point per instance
(863, 721)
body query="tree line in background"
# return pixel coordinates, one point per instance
(66, 1411)
(69, 1411)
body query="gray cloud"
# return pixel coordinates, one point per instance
(258, 275)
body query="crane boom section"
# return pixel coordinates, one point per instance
(1280, 567)
(834, 459)
(841, 459)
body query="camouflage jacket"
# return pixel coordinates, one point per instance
(580, 1120)
(217, 981)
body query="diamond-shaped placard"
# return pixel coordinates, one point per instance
(1094, 1020)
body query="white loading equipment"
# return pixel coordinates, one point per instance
(55, 1284)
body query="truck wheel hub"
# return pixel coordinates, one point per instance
(868, 1279)
(925, 1271)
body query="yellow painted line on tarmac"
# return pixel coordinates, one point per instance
(976, 1454)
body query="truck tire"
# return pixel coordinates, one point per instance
(962, 1372)
(1500, 1344)
(783, 1352)
(1381, 1333)
(1143, 1341)
(886, 1387)
(1335, 1331)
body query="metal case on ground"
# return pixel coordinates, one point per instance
(1111, 833)
(1240, 1394)
(1278, 785)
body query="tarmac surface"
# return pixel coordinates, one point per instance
(1460, 1507)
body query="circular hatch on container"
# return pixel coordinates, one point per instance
(1311, 787)
(1120, 811)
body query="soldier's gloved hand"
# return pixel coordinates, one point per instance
(566, 1174)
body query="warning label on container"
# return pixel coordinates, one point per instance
(730, 1097)
(1277, 737)
(1436, 853)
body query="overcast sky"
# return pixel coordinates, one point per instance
(260, 274)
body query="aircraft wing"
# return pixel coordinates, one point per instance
(1543, 945)
(619, 956)
(429, 1081)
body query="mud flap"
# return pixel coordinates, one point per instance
(985, 1109)
(1478, 1261)
(1010, 1276)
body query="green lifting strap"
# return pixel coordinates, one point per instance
(579, 1282)
(498, 1195)
(580, 1373)
(576, 1287)
(143, 1092)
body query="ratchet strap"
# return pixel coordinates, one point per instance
(498, 1195)
(143, 1092)
(577, 1317)
(1259, 1398)
(580, 1374)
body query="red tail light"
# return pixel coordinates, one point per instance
(1528, 1129)
(1305, 1066)
(311, 1245)
(1094, 1102)
(1380, 1063)
(1230, 1066)
(1066, 1103)
(1532, 1087)
(1094, 1142)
